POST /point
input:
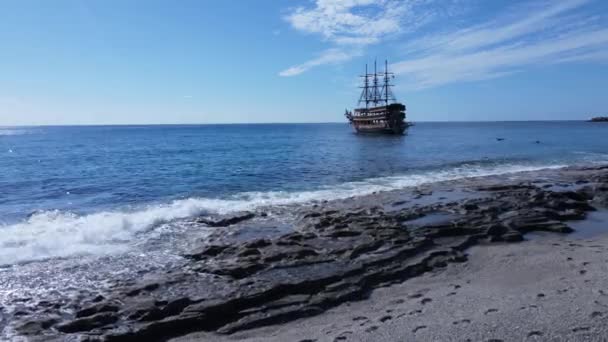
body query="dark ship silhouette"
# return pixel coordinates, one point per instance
(382, 113)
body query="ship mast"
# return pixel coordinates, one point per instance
(386, 82)
(366, 88)
(375, 93)
(365, 94)
(374, 90)
(386, 88)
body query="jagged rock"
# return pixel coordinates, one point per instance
(496, 229)
(470, 206)
(249, 252)
(570, 214)
(258, 243)
(36, 326)
(344, 233)
(102, 307)
(272, 317)
(161, 311)
(228, 221)
(512, 237)
(207, 251)
(240, 271)
(144, 287)
(507, 187)
(138, 308)
(88, 323)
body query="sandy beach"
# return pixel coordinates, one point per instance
(552, 288)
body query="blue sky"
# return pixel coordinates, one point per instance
(203, 61)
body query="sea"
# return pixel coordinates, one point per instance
(71, 191)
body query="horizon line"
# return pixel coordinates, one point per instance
(271, 123)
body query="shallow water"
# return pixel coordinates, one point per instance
(596, 223)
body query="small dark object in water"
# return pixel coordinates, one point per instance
(538, 141)
(599, 119)
(500, 139)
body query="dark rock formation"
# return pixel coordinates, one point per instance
(227, 221)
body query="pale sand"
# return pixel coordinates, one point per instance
(551, 288)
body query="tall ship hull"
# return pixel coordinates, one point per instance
(382, 114)
(388, 119)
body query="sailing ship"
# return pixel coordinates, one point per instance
(382, 113)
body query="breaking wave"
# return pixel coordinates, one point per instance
(52, 234)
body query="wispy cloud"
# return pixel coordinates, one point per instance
(330, 56)
(503, 42)
(538, 34)
(351, 25)
(357, 20)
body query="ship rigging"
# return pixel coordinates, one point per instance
(382, 113)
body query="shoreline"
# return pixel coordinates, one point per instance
(64, 227)
(332, 254)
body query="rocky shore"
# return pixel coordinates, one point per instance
(333, 253)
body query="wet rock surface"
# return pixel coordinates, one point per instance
(330, 257)
(226, 221)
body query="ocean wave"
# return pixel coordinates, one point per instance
(15, 131)
(52, 234)
(591, 157)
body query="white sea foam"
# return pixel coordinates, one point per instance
(595, 158)
(61, 234)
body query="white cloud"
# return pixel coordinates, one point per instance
(545, 33)
(350, 25)
(330, 56)
(510, 40)
(338, 19)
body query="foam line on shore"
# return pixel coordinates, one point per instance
(51, 234)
